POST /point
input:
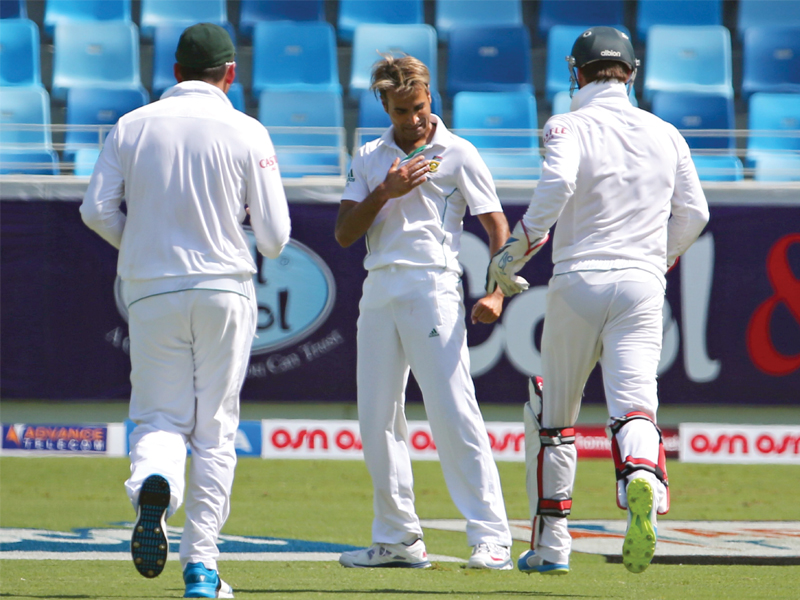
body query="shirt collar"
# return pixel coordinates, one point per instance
(194, 88)
(599, 91)
(441, 136)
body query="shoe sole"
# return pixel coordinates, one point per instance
(149, 544)
(640, 540)
(553, 569)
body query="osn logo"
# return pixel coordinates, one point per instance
(295, 295)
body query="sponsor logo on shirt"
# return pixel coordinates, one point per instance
(553, 131)
(270, 163)
(351, 176)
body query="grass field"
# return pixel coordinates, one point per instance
(331, 501)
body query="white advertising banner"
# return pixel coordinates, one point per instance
(739, 444)
(303, 438)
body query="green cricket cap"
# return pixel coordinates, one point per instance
(203, 46)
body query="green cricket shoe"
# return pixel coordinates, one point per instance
(640, 539)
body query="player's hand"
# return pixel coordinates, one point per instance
(517, 251)
(404, 177)
(488, 309)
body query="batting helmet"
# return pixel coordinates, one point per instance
(601, 43)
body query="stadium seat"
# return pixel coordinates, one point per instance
(688, 59)
(688, 111)
(84, 161)
(307, 129)
(489, 59)
(502, 125)
(180, 12)
(468, 13)
(771, 60)
(236, 96)
(95, 55)
(779, 113)
(676, 12)
(252, 12)
(372, 114)
(586, 13)
(718, 168)
(766, 13)
(353, 13)
(295, 56)
(96, 107)
(19, 53)
(13, 9)
(69, 11)
(25, 119)
(778, 168)
(416, 40)
(33, 162)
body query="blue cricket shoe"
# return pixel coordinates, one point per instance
(204, 583)
(530, 562)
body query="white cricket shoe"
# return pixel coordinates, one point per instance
(490, 556)
(409, 556)
(640, 539)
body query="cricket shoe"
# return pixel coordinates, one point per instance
(490, 556)
(204, 583)
(149, 544)
(640, 538)
(410, 556)
(530, 562)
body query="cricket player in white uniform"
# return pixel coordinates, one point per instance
(622, 185)
(188, 167)
(412, 316)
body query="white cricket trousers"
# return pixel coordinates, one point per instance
(189, 355)
(413, 318)
(614, 317)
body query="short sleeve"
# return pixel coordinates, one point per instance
(477, 185)
(356, 187)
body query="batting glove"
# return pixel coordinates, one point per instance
(518, 250)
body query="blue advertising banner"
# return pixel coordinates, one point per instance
(731, 335)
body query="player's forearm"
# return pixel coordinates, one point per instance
(355, 218)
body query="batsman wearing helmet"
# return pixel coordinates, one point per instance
(622, 185)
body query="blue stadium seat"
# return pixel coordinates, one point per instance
(771, 60)
(676, 12)
(180, 12)
(13, 9)
(510, 146)
(294, 56)
(252, 12)
(489, 59)
(688, 111)
(93, 107)
(372, 114)
(68, 11)
(236, 96)
(95, 55)
(718, 168)
(85, 159)
(586, 13)
(353, 13)
(468, 13)
(19, 53)
(33, 162)
(688, 59)
(307, 129)
(776, 168)
(416, 40)
(767, 13)
(773, 112)
(25, 119)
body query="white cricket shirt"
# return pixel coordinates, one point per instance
(612, 176)
(422, 228)
(186, 166)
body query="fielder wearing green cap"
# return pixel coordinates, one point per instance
(190, 168)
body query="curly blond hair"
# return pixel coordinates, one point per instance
(400, 74)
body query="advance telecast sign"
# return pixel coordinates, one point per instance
(740, 444)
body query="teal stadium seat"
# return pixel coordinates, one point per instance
(25, 119)
(353, 13)
(307, 130)
(468, 13)
(19, 53)
(102, 54)
(252, 12)
(718, 168)
(32, 162)
(295, 56)
(180, 12)
(774, 123)
(489, 59)
(369, 40)
(688, 59)
(84, 11)
(676, 12)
